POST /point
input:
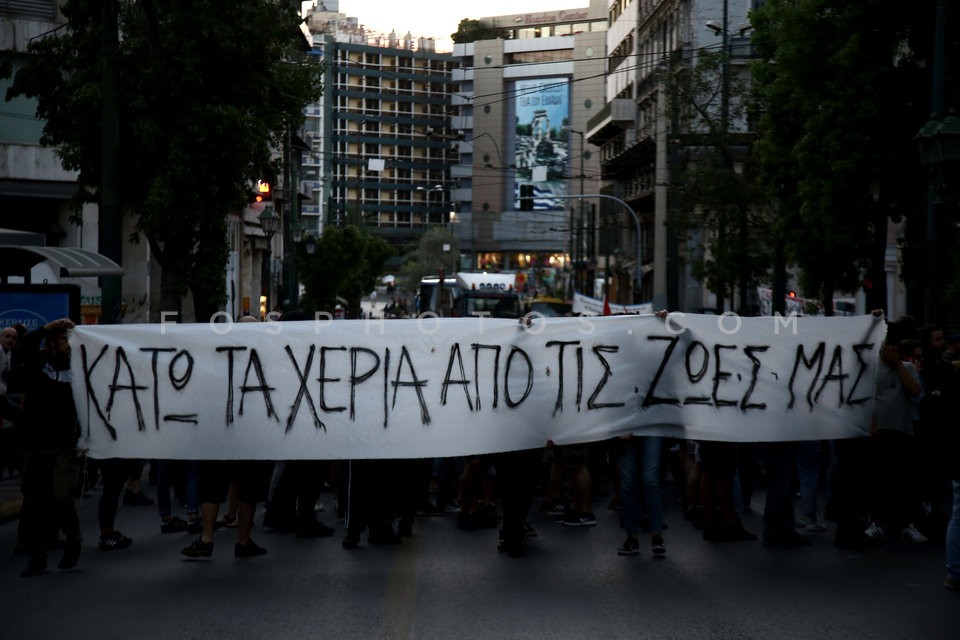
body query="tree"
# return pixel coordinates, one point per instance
(716, 200)
(346, 265)
(838, 89)
(204, 91)
(429, 257)
(473, 30)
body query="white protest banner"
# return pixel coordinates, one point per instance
(449, 387)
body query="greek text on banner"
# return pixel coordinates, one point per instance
(462, 386)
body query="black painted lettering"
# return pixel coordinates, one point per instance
(358, 379)
(414, 382)
(229, 351)
(834, 374)
(719, 376)
(745, 402)
(254, 364)
(155, 354)
(496, 348)
(91, 395)
(650, 398)
(323, 380)
(599, 350)
(121, 356)
(506, 378)
(815, 360)
(303, 391)
(558, 405)
(697, 348)
(861, 369)
(456, 358)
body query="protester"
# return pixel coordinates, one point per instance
(50, 433)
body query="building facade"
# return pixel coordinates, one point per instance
(374, 158)
(523, 161)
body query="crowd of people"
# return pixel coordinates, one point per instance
(902, 483)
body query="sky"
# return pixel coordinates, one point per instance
(439, 18)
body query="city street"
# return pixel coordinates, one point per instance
(444, 583)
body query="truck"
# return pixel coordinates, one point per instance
(487, 294)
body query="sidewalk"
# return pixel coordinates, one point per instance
(10, 499)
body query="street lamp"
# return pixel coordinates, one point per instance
(268, 224)
(578, 252)
(437, 188)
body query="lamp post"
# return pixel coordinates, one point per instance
(578, 255)
(268, 224)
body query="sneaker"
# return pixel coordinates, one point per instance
(951, 583)
(558, 510)
(429, 509)
(383, 535)
(69, 560)
(630, 547)
(199, 549)
(910, 534)
(34, 570)
(513, 548)
(875, 531)
(814, 526)
(314, 529)
(137, 499)
(173, 525)
(114, 541)
(225, 520)
(195, 525)
(249, 550)
(575, 519)
(529, 531)
(351, 541)
(656, 543)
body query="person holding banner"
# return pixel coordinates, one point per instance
(50, 434)
(216, 477)
(640, 466)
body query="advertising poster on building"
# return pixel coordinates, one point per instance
(541, 150)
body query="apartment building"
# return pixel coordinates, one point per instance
(374, 156)
(523, 162)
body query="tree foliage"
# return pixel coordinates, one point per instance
(841, 91)
(719, 206)
(473, 30)
(429, 257)
(204, 93)
(346, 265)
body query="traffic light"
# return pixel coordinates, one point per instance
(526, 197)
(261, 192)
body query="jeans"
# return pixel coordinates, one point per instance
(640, 465)
(778, 519)
(953, 535)
(168, 474)
(808, 472)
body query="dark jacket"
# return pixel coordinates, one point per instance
(49, 418)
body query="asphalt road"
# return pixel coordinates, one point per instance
(444, 583)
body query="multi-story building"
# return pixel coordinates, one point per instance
(522, 109)
(39, 240)
(374, 158)
(644, 39)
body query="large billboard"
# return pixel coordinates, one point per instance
(541, 151)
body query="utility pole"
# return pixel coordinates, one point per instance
(109, 220)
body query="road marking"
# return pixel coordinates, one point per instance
(401, 597)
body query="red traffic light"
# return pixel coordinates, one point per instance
(262, 191)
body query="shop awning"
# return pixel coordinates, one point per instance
(73, 261)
